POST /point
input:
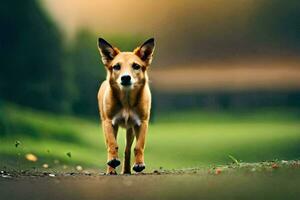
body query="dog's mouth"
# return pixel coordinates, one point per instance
(126, 84)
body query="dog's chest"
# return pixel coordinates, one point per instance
(126, 118)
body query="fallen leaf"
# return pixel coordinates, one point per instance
(275, 166)
(17, 143)
(31, 157)
(69, 154)
(218, 171)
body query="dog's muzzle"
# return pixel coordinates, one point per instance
(126, 80)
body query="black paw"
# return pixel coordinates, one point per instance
(138, 167)
(114, 163)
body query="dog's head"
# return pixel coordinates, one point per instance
(126, 70)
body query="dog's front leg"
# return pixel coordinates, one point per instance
(110, 133)
(140, 132)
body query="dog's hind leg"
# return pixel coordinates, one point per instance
(129, 141)
(110, 133)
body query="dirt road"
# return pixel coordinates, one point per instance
(274, 184)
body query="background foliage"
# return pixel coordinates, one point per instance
(49, 80)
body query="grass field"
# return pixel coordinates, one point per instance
(175, 140)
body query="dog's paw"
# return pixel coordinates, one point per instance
(114, 163)
(139, 167)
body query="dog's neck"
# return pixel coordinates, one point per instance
(128, 98)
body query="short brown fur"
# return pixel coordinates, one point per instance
(125, 105)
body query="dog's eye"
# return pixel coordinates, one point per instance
(136, 66)
(116, 66)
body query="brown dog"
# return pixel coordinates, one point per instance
(124, 100)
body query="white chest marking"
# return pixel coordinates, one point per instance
(126, 119)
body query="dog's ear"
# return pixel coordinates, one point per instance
(107, 51)
(145, 51)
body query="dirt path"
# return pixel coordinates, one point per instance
(197, 184)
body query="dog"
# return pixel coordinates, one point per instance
(124, 100)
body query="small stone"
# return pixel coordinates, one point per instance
(87, 173)
(5, 176)
(45, 166)
(51, 175)
(79, 168)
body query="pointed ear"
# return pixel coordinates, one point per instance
(107, 51)
(145, 51)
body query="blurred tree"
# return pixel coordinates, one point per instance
(88, 72)
(277, 25)
(31, 51)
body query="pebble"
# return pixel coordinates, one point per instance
(79, 168)
(5, 176)
(45, 166)
(87, 173)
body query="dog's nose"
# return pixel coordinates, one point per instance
(125, 80)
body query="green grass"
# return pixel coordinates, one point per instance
(177, 140)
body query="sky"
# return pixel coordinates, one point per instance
(147, 16)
